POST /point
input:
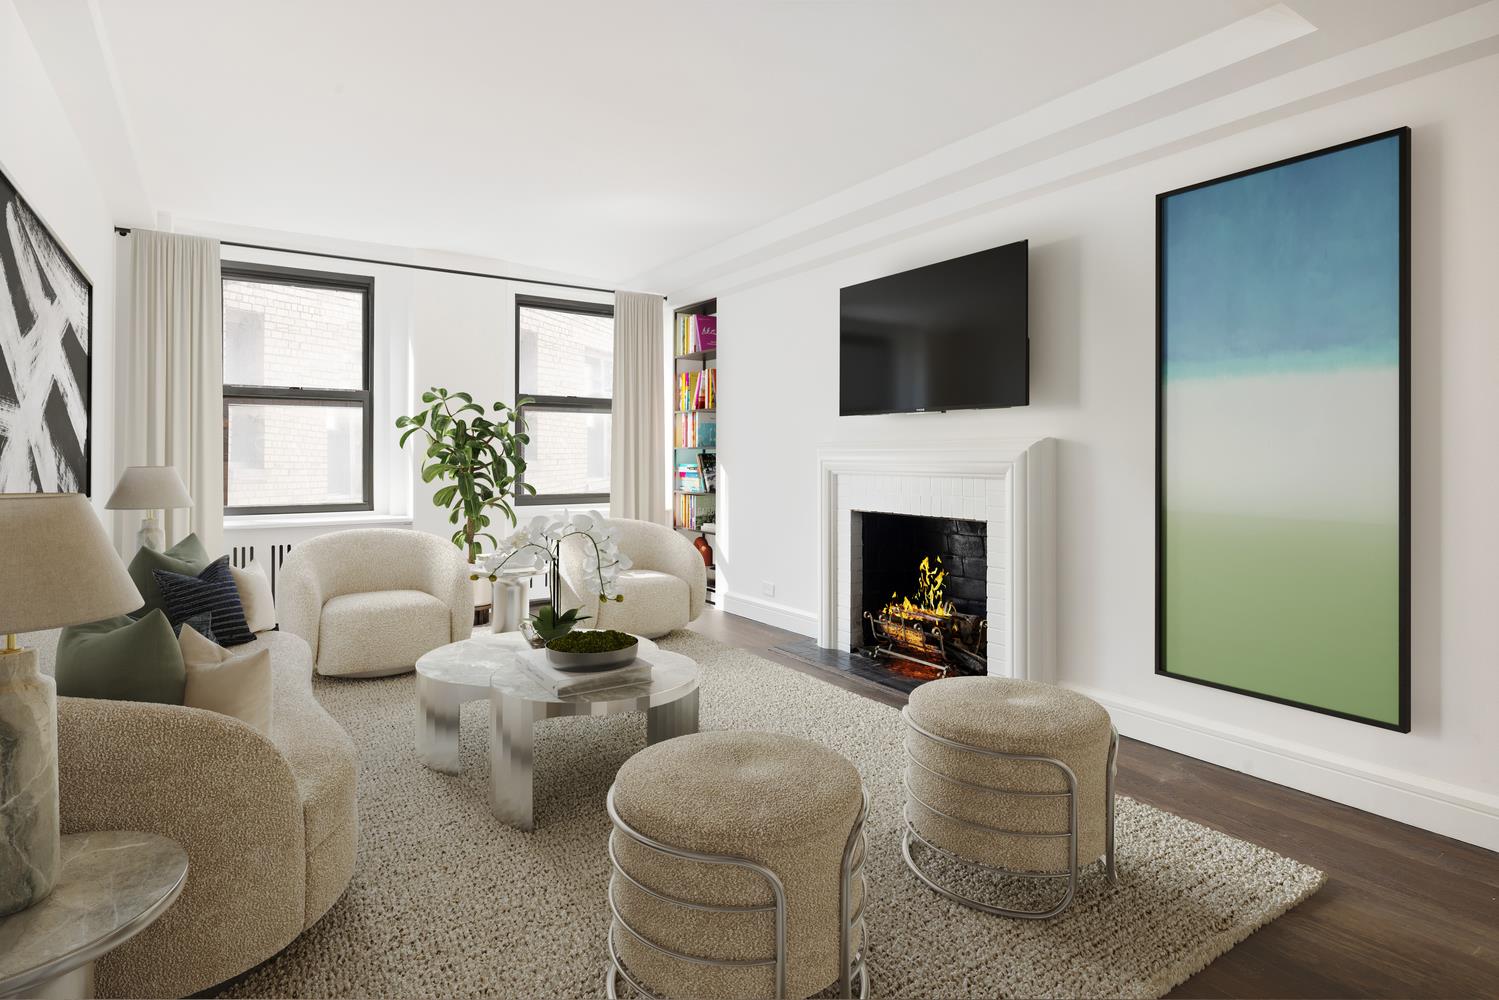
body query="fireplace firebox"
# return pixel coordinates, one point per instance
(921, 594)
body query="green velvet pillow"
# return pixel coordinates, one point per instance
(187, 557)
(122, 659)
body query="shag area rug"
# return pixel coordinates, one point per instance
(448, 901)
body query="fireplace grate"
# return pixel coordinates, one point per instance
(934, 645)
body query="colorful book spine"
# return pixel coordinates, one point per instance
(697, 390)
(692, 511)
(694, 430)
(696, 333)
(690, 476)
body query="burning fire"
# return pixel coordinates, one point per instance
(925, 636)
(929, 590)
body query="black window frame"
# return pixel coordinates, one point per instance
(300, 396)
(560, 404)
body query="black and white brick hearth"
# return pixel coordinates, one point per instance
(988, 508)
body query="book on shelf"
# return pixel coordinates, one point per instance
(691, 511)
(696, 333)
(690, 476)
(697, 390)
(695, 430)
(696, 472)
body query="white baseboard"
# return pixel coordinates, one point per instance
(1455, 811)
(770, 613)
(1451, 810)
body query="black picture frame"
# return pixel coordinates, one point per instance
(1403, 725)
(14, 208)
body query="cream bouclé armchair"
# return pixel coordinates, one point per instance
(664, 588)
(370, 601)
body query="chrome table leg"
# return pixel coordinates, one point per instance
(512, 750)
(437, 717)
(676, 718)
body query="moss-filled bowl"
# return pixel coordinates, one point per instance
(592, 649)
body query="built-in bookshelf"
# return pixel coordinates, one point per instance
(694, 394)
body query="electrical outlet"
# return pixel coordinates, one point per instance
(767, 588)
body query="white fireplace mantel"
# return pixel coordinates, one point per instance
(1009, 484)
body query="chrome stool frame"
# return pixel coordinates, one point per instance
(852, 923)
(1071, 833)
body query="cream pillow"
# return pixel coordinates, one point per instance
(222, 682)
(255, 594)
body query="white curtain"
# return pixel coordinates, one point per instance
(170, 407)
(638, 454)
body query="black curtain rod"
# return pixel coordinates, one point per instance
(122, 231)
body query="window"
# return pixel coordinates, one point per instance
(297, 417)
(565, 364)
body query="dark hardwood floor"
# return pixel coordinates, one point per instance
(1404, 913)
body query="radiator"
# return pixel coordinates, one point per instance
(242, 555)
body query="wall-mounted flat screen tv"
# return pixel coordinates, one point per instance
(947, 336)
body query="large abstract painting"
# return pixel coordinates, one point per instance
(46, 343)
(1283, 314)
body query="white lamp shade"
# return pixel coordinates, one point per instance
(56, 564)
(149, 487)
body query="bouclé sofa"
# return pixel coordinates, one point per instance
(268, 822)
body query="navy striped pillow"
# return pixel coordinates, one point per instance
(202, 624)
(211, 592)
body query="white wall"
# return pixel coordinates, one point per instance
(1093, 384)
(41, 155)
(431, 329)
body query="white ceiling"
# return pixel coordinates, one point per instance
(607, 139)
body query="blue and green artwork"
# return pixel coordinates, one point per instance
(1283, 322)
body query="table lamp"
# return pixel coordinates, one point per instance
(56, 568)
(149, 488)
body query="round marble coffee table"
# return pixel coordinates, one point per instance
(486, 666)
(113, 885)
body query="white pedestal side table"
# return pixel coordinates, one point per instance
(486, 666)
(113, 885)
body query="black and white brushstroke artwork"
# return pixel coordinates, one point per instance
(45, 343)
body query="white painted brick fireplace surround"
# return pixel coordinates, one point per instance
(1006, 485)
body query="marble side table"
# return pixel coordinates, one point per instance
(113, 885)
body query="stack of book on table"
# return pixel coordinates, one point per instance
(563, 683)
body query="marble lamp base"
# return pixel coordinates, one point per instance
(29, 828)
(150, 535)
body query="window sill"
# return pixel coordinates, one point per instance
(579, 501)
(346, 518)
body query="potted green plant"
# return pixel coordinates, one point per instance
(477, 455)
(549, 624)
